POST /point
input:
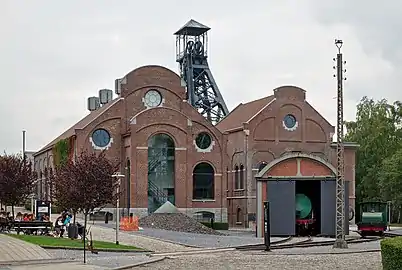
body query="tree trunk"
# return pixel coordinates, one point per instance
(85, 234)
(12, 210)
(74, 215)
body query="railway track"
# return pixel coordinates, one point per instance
(306, 243)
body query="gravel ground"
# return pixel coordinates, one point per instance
(231, 239)
(237, 260)
(178, 222)
(103, 259)
(125, 238)
(203, 240)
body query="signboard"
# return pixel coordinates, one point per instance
(42, 208)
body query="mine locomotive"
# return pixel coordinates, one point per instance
(305, 221)
(372, 218)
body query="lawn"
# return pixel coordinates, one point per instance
(47, 241)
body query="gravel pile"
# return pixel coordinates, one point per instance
(178, 222)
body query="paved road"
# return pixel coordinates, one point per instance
(102, 259)
(12, 249)
(58, 266)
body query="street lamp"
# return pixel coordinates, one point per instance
(118, 175)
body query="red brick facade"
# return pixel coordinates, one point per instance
(262, 137)
(131, 124)
(252, 134)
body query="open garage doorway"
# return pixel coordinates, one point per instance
(308, 207)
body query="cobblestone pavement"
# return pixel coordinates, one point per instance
(243, 260)
(12, 249)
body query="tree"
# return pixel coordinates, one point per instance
(64, 189)
(16, 179)
(377, 130)
(390, 180)
(85, 184)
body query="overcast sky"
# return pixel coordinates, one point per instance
(55, 54)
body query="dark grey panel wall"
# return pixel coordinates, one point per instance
(328, 210)
(282, 198)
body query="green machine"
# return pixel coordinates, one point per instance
(305, 222)
(372, 218)
(303, 206)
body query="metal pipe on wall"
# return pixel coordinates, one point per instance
(247, 178)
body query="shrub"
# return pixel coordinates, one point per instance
(391, 253)
(217, 225)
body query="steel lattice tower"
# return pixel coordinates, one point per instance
(201, 88)
(340, 241)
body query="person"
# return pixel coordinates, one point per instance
(19, 217)
(58, 226)
(80, 230)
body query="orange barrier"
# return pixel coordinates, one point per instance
(129, 224)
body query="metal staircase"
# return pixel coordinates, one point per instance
(159, 197)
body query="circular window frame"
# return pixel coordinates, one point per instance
(152, 105)
(203, 147)
(94, 140)
(285, 124)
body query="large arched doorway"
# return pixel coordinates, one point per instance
(203, 182)
(161, 167)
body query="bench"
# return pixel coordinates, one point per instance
(20, 226)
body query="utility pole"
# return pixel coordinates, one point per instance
(23, 143)
(340, 241)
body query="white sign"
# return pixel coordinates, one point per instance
(43, 209)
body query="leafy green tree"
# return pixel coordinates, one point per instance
(390, 181)
(377, 130)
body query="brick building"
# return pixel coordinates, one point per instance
(280, 135)
(168, 151)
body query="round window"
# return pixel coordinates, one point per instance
(203, 140)
(153, 98)
(290, 121)
(101, 137)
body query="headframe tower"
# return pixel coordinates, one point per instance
(201, 89)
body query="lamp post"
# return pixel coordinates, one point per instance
(118, 176)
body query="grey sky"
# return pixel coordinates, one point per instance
(55, 54)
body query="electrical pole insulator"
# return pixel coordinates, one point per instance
(340, 241)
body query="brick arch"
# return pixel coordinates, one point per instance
(152, 75)
(298, 164)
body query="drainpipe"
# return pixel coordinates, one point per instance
(246, 133)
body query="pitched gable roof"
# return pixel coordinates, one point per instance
(243, 113)
(79, 125)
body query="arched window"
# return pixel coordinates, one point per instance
(237, 177)
(161, 169)
(241, 184)
(238, 215)
(204, 216)
(40, 195)
(227, 179)
(203, 182)
(51, 183)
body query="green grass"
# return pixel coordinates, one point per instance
(47, 241)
